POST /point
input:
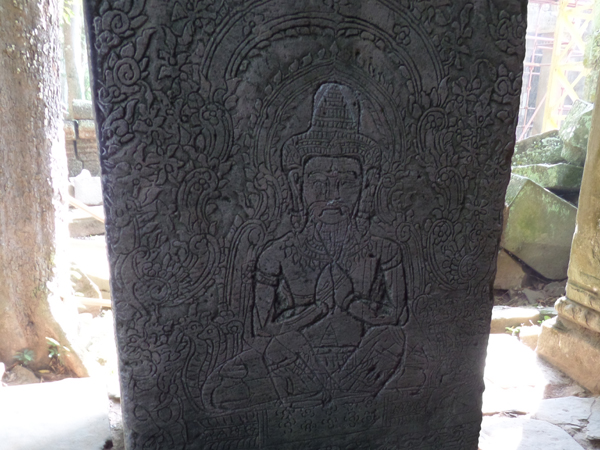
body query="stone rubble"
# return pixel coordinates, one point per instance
(574, 132)
(539, 228)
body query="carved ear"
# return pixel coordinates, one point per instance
(365, 208)
(297, 205)
(295, 186)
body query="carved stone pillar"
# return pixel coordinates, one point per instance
(304, 202)
(572, 341)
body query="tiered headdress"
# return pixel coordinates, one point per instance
(334, 131)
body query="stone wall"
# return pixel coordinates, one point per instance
(80, 140)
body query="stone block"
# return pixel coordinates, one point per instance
(71, 414)
(529, 335)
(87, 153)
(280, 192)
(556, 177)
(593, 428)
(539, 227)
(69, 128)
(85, 226)
(505, 316)
(575, 131)
(86, 130)
(83, 109)
(565, 411)
(506, 433)
(73, 164)
(509, 272)
(88, 189)
(573, 349)
(544, 148)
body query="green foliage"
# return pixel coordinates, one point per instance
(25, 356)
(513, 330)
(68, 13)
(54, 349)
(544, 319)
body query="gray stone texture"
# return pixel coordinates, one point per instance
(74, 165)
(575, 131)
(545, 148)
(539, 227)
(505, 316)
(291, 186)
(555, 177)
(82, 109)
(505, 433)
(572, 342)
(86, 130)
(573, 349)
(69, 127)
(565, 411)
(593, 428)
(87, 153)
(509, 272)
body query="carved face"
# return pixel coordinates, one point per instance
(331, 187)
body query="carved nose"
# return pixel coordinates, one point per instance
(334, 190)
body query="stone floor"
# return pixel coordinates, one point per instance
(527, 405)
(530, 405)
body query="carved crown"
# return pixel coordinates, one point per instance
(334, 131)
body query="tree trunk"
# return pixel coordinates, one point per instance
(72, 53)
(33, 231)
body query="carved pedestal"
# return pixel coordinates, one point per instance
(304, 202)
(572, 342)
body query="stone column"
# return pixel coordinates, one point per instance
(572, 341)
(304, 203)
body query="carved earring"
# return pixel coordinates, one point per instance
(298, 216)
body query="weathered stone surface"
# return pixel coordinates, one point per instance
(593, 427)
(504, 433)
(82, 224)
(533, 296)
(82, 109)
(529, 335)
(285, 181)
(20, 375)
(565, 411)
(575, 131)
(539, 227)
(573, 349)
(509, 272)
(555, 289)
(505, 316)
(71, 414)
(544, 148)
(579, 314)
(88, 189)
(69, 128)
(557, 177)
(574, 342)
(87, 153)
(86, 129)
(74, 165)
(82, 285)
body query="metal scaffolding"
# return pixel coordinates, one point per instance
(554, 74)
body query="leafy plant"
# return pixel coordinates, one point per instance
(25, 356)
(513, 330)
(54, 350)
(544, 319)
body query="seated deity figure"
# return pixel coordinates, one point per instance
(330, 297)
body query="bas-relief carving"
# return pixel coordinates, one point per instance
(304, 201)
